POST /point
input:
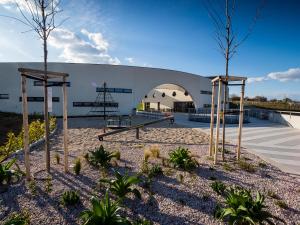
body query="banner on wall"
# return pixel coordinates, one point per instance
(49, 99)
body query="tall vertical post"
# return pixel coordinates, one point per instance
(212, 119)
(224, 119)
(104, 107)
(26, 129)
(241, 120)
(65, 125)
(218, 122)
(47, 130)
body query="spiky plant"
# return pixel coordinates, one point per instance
(22, 218)
(101, 157)
(181, 158)
(70, 198)
(6, 173)
(121, 185)
(242, 209)
(218, 187)
(103, 212)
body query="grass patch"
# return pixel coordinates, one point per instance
(228, 167)
(272, 194)
(246, 166)
(262, 164)
(281, 204)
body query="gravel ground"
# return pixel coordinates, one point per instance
(169, 200)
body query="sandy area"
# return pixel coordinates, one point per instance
(169, 202)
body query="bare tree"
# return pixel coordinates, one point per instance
(39, 16)
(227, 39)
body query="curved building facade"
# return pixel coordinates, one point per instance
(126, 86)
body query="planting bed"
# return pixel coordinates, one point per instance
(175, 197)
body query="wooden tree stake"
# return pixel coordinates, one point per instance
(218, 122)
(65, 126)
(212, 119)
(26, 129)
(238, 153)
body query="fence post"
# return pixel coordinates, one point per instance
(137, 133)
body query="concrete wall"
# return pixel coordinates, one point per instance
(82, 77)
(291, 119)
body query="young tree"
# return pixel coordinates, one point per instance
(227, 39)
(40, 17)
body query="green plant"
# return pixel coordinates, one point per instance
(6, 173)
(241, 208)
(155, 171)
(121, 185)
(117, 155)
(48, 184)
(22, 218)
(57, 158)
(281, 204)
(70, 198)
(77, 166)
(262, 164)
(103, 212)
(218, 187)
(32, 187)
(145, 167)
(246, 166)
(227, 167)
(181, 158)
(101, 157)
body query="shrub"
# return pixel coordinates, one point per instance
(117, 155)
(6, 174)
(15, 142)
(227, 167)
(121, 185)
(57, 158)
(246, 166)
(100, 157)
(155, 152)
(145, 167)
(262, 164)
(77, 166)
(32, 187)
(70, 198)
(48, 184)
(147, 155)
(218, 187)
(155, 171)
(22, 218)
(181, 158)
(103, 212)
(241, 208)
(281, 204)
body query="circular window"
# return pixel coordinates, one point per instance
(186, 93)
(146, 96)
(174, 93)
(163, 95)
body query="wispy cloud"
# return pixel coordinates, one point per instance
(255, 79)
(130, 60)
(76, 49)
(292, 74)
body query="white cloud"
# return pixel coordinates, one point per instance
(288, 75)
(76, 49)
(130, 60)
(255, 79)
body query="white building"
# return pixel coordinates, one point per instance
(127, 86)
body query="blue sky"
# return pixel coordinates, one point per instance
(169, 34)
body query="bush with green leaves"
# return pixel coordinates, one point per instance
(181, 158)
(242, 208)
(155, 171)
(70, 198)
(101, 157)
(103, 212)
(15, 142)
(77, 166)
(246, 166)
(7, 175)
(121, 185)
(22, 218)
(218, 187)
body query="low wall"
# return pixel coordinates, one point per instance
(291, 119)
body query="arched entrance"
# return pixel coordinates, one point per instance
(167, 98)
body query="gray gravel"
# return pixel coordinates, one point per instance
(168, 201)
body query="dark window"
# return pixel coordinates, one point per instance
(114, 90)
(163, 95)
(146, 96)
(50, 83)
(205, 92)
(95, 104)
(174, 93)
(39, 99)
(186, 93)
(4, 96)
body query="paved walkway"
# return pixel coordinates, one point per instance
(275, 143)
